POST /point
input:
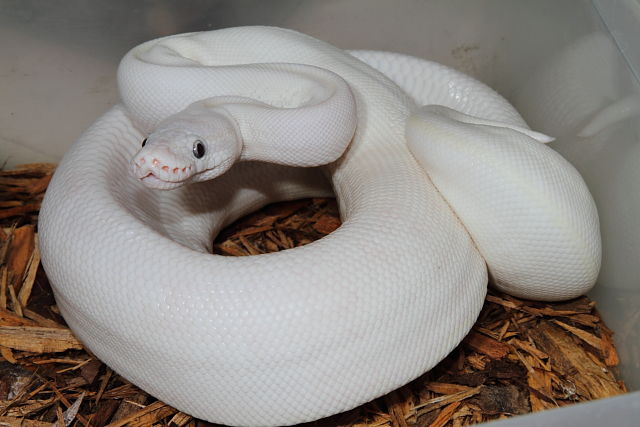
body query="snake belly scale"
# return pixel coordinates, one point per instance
(293, 336)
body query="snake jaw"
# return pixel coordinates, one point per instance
(154, 182)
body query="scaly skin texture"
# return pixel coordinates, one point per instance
(305, 333)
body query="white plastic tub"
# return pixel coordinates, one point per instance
(57, 74)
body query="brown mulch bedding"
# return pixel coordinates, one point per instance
(520, 356)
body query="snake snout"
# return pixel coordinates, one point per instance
(160, 168)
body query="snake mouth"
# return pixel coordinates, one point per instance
(159, 182)
(156, 174)
(153, 181)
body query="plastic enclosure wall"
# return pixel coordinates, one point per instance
(59, 59)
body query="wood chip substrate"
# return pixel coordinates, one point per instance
(521, 356)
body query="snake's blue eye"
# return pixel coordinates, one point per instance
(198, 149)
(144, 142)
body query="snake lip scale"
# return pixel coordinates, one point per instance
(154, 179)
(441, 186)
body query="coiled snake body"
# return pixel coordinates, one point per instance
(304, 333)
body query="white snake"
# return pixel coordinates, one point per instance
(308, 332)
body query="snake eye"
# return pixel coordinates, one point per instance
(144, 142)
(198, 149)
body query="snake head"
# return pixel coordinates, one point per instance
(190, 146)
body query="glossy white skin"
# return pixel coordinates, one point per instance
(501, 181)
(305, 333)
